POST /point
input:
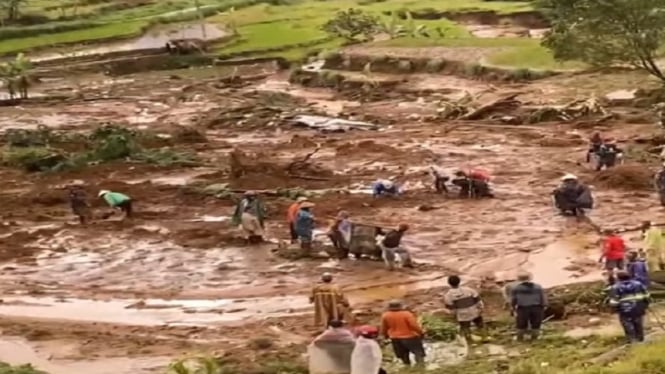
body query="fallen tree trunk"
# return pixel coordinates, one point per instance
(504, 102)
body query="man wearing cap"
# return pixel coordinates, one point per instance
(572, 197)
(250, 215)
(391, 247)
(528, 300)
(117, 200)
(659, 183)
(405, 333)
(329, 301)
(383, 187)
(304, 225)
(653, 246)
(630, 299)
(366, 357)
(291, 214)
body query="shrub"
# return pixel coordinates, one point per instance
(475, 70)
(439, 329)
(22, 369)
(405, 66)
(32, 159)
(435, 65)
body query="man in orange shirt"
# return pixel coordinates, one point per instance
(404, 331)
(291, 214)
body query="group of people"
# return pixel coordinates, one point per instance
(83, 210)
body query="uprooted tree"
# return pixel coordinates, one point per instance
(607, 32)
(354, 25)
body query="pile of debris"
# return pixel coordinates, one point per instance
(628, 177)
(244, 165)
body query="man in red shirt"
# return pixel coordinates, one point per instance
(614, 252)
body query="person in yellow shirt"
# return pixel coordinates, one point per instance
(654, 246)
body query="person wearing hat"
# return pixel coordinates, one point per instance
(304, 225)
(117, 200)
(340, 234)
(367, 356)
(250, 215)
(614, 253)
(391, 247)
(291, 214)
(608, 154)
(659, 183)
(528, 301)
(572, 197)
(384, 187)
(630, 300)
(653, 245)
(405, 333)
(330, 303)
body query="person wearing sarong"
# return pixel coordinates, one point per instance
(250, 214)
(653, 246)
(329, 301)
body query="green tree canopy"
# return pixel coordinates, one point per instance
(607, 32)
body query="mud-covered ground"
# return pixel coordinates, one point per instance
(132, 295)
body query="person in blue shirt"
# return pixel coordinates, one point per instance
(304, 225)
(630, 299)
(638, 269)
(384, 187)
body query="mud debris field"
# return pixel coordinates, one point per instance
(132, 295)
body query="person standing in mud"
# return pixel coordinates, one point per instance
(329, 301)
(340, 234)
(467, 306)
(291, 214)
(659, 183)
(614, 254)
(439, 179)
(595, 142)
(304, 225)
(405, 333)
(637, 268)
(529, 301)
(117, 200)
(653, 246)
(79, 204)
(250, 215)
(631, 300)
(391, 247)
(608, 154)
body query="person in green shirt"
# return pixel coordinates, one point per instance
(117, 200)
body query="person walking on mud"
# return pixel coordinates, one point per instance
(250, 215)
(529, 301)
(614, 254)
(117, 200)
(291, 214)
(329, 301)
(654, 246)
(305, 226)
(79, 204)
(405, 333)
(391, 247)
(467, 306)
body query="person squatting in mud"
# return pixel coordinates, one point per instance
(473, 184)
(250, 215)
(117, 200)
(79, 204)
(383, 187)
(391, 247)
(572, 197)
(329, 301)
(630, 300)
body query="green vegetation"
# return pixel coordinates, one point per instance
(22, 369)
(49, 150)
(14, 76)
(438, 329)
(607, 33)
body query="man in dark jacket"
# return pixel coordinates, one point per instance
(471, 186)
(608, 154)
(630, 299)
(391, 247)
(528, 301)
(572, 197)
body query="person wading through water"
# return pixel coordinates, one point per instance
(329, 301)
(250, 215)
(572, 197)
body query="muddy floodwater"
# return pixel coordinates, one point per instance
(179, 278)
